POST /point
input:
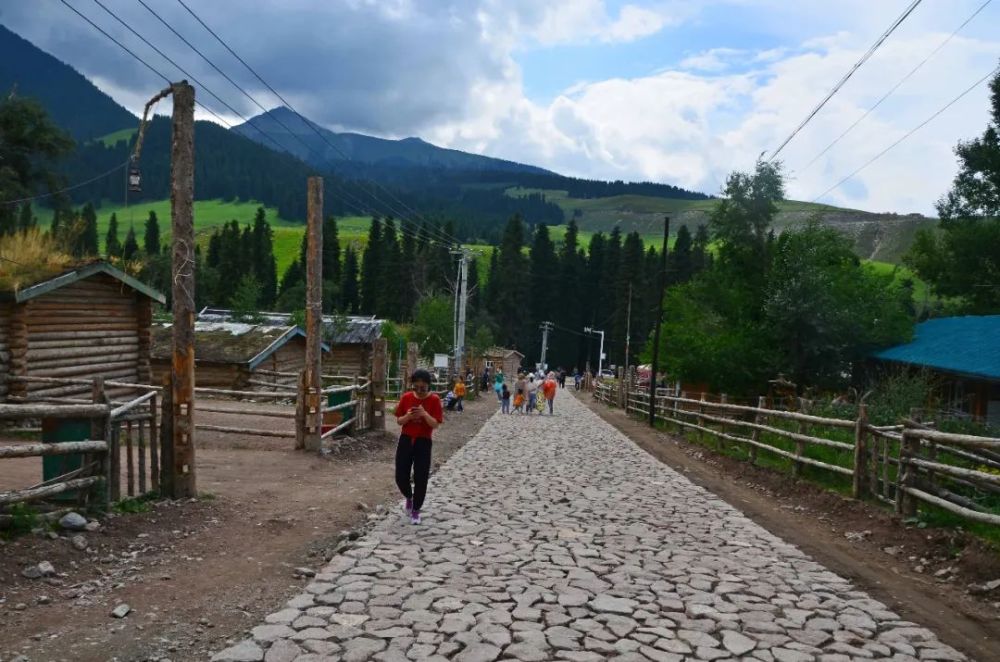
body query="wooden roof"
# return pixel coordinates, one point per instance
(76, 274)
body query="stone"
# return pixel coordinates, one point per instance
(527, 652)
(121, 611)
(480, 652)
(269, 633)
(245, 651)
(362, 648)
(73, 522)
(79, 542)
(282, 650)
(612, 605)
(737, 643)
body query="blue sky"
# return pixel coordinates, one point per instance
(675, 91)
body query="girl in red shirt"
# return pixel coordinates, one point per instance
(418, 414)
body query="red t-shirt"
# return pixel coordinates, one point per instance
(431, 404)
(549, 388)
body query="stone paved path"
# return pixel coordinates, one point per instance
(559, 539)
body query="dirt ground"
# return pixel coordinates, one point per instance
(922, 574)
(199, 573)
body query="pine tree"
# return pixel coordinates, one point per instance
(543, 274)
(628, 290)
(88, 238)
(681, 267)
(371, 269)
(27, 219)
(112, 245)
(131, 247)
(294, 275)
(151, 239)
(514, 284)
(568, 306)
(389, 300)
(331, 250)
(264, 266)
(492, 284)
(412, 276)
(701, 259)
(349, 282)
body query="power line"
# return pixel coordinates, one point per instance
(68, 188)
(910, 132)
(857, 65)
(897, 85)
(259, 105)
(441, 234)
(164, 77)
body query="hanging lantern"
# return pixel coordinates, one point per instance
(134, 179)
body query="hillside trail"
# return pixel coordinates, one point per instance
(557, 537)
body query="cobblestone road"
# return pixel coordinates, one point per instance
(557, 538)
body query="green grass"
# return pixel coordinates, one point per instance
(112, 139)
(921, 292)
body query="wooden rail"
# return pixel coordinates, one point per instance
(898, 464)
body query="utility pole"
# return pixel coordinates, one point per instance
(314, 314)
(545, 327)
(628, 327)
(462, 296)
(659, 320)
(600, 352)
(182, 428)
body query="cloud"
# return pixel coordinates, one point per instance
(714, 59)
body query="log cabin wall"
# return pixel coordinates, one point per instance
(93, 327)
(289, 358)
(347, 360)
(6, 315)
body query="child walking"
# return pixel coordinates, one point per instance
(505, 400)
(418, 414)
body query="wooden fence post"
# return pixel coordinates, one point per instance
(906, 504)
(314, 313)
(300, 411)
(800, 446)
(677, 417)
(154, 450)
(701, 419)
(167, 438)
(377, 389)
(860, 484)
(101, 429)
(755, 433)
(723, 413)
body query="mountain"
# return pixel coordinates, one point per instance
(300, 138)
(72, 101)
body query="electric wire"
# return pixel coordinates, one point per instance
(361, 210)
(308, 123)
(262, 107)
(857, 65)
(909, 133)
(66, 189)
(897, 85)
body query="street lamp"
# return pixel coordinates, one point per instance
(600, 352)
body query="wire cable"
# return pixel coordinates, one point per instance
(910, 132)
(897, 85)
(68, 188)
(857, 65)
(440, 233)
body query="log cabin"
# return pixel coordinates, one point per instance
(235, 355)
(86, 321)
(963, 355)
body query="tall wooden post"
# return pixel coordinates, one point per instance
(659, 319)
(412, 352)
(314, 314)
(860, 484)
(379, 357)
(182, 231)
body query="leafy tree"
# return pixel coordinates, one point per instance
(433, 325)
(30, 144)
(962, 258)
(151, 238)
(130, 248)
(112, 245)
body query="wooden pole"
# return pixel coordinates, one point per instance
(412, 352)
(314, 313)
(184, 482)
(800, 447)
(659, 320)
(379, 357)
(860, 484)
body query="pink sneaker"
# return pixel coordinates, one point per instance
(415, 517)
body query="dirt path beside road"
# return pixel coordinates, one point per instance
(197, 574)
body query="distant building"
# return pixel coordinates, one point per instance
(508, 360)
(965, 353)
(73, 324)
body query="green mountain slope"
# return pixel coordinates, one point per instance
(72, 100)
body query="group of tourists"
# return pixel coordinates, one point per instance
(525, 396)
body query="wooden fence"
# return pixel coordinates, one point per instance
(901, 464)
(95, 469)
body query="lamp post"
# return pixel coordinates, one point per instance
(600, 352)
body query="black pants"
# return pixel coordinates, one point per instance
(415, 454)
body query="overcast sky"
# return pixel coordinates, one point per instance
(677, 91)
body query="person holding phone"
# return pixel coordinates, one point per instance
(418, 414)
